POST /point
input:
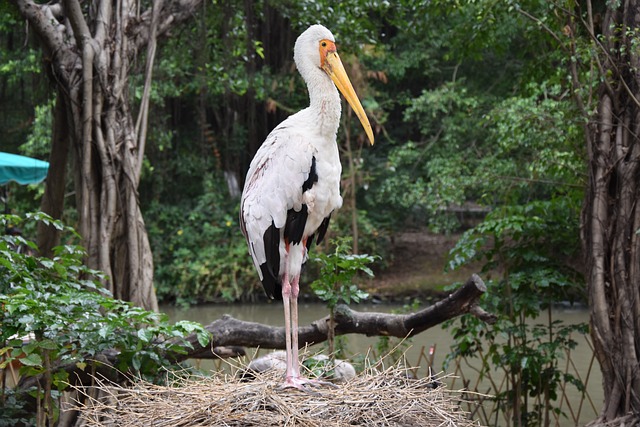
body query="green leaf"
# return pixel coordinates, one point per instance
(204, 337)
(145, 335)
(136, 362)
(32, 359)
(48, 344)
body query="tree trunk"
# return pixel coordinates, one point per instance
(53, 198)
(91, 48)
(611, 216)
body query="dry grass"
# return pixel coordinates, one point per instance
(376, 397)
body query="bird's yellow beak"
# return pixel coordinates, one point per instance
(334, 68)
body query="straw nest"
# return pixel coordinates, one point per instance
(376, 397)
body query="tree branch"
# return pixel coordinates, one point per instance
(43, 19)
(228, 331)
(170, 14)
(141, 122)
(78, 24)
(85, 44)
(230, 335)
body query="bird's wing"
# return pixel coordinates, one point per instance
(279, 173)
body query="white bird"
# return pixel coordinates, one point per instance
(293, 182)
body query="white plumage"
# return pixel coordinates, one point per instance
(293, 182)
(274, 186)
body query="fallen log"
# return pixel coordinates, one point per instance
(229, 331)
(229, 335)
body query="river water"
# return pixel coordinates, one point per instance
(272, 314)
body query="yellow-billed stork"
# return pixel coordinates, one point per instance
(293, 182)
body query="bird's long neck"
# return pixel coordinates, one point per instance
(325, 103)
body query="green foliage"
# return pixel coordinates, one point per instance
(335, 283)
(536, 240)
(14, 411)
(477, 149)
(373, 237)
(39, 140)
(423, 178)
(56, 314)
(536, 147)
(531, 248)
(529, 355)
(14, 65)
(349, 19)
(201, 255)
(337, 272)
(22, 83)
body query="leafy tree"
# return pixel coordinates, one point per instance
(516, 148)
(22, 86)
(201, 254)
(87, 46)
(68, 319)
(443, 76)
(597, 47)
(530, 249)
(423, 178)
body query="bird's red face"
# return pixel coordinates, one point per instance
(326, 47)
(332, 65)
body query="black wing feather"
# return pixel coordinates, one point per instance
(322, 230)
(297, 220)
(294, 227)
(313, 176)
(271, 268)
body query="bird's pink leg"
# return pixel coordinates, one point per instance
(297, 380)
(286, 300)
(295, 290)
(290, 300)
(290, 291)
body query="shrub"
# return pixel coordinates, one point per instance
(56, 314)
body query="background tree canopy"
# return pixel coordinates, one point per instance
(470, 103)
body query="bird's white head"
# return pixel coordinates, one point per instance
(315, 50)
(307, 53)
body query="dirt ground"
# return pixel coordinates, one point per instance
(417, 266)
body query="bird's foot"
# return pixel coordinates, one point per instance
(305, 384)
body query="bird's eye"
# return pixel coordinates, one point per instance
(324, 44)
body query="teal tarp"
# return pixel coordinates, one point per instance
(21, 169)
